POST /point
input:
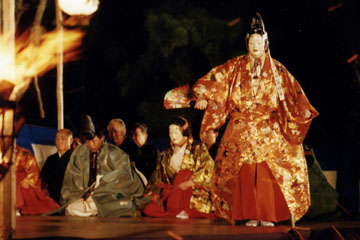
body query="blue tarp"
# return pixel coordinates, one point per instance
(30, 134)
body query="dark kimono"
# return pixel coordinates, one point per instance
(146, 159)
(52, 173)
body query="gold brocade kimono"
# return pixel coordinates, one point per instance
(260, 128)
(198, 160)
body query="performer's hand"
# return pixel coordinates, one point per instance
(148, 194)
(86, 195)
(155, 197)
(185, 185)
(201, 104)
(209, 138)
(24, 184)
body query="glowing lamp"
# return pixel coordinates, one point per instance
(79, 7)
(7, 132)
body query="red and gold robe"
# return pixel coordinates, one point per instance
(196, 165)
(31, 199)
(261, 128)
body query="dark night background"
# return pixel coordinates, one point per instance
(135, 51)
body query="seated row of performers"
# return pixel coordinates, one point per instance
(39, 192)
(98, 179)
(101, 181)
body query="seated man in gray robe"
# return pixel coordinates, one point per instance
(99, 180)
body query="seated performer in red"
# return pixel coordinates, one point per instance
(31, 199)
(180, 183)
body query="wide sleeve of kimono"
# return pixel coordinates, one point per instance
(204, 166)
(159, 175)
(293, 120)
(75, 177)
(215, 87)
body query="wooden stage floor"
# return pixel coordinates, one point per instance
(64, 227)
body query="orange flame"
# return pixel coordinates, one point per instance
(31, 59)
(17, 70)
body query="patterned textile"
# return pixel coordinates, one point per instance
(179, 97)
(174, 200)
(260, 128)
(196, 159)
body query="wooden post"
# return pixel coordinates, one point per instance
(60, 69)
(8, 201)
(8, 184)
(36, 36)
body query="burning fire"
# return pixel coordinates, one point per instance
(32, 60)
(16, 73)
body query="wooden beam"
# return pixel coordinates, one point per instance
(7, 202)
(60, 69)
(8, 184)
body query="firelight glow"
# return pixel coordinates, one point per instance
(31, 59)
(19, 69)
